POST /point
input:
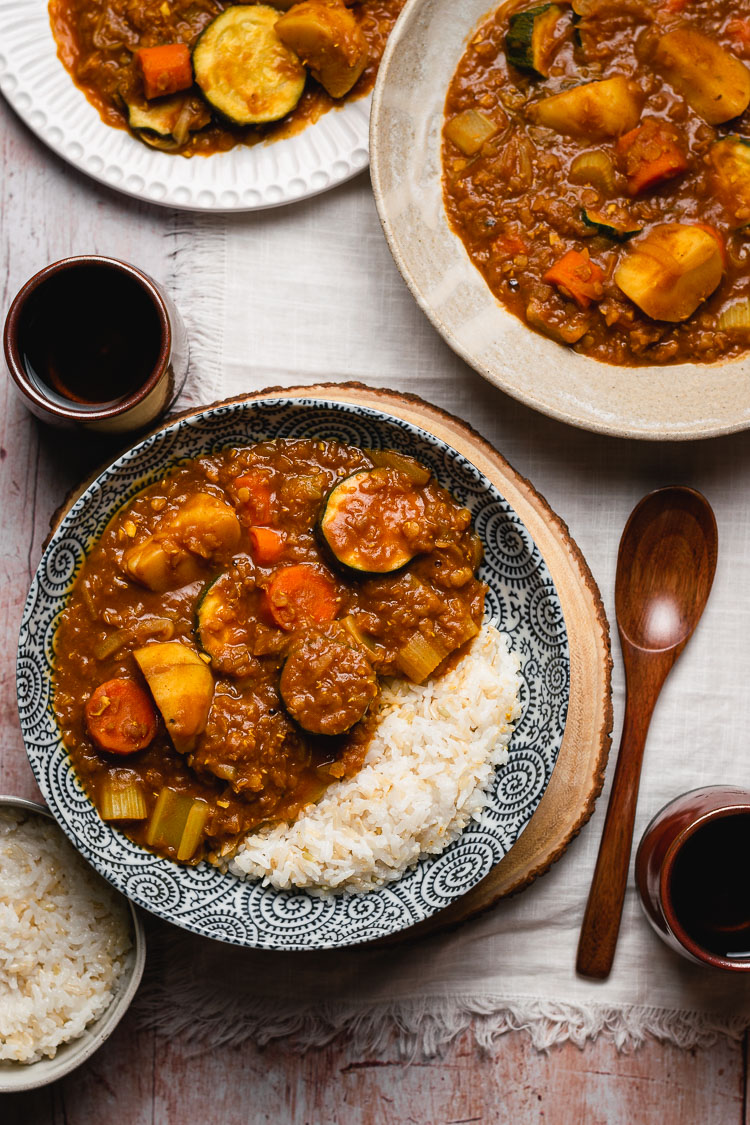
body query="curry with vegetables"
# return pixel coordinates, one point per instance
(218, 661)
(201, 76)
(596, 165)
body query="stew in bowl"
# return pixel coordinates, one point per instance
(596, 166)
(112, 563)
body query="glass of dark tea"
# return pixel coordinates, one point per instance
(94, 343)
(691, 874)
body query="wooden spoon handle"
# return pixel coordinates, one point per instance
(601, 921)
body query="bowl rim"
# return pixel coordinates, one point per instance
(95, 1035)
(201, 421)
(599, 424)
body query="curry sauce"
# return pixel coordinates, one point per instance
(596, 166)
(97, 41)
(214, 607)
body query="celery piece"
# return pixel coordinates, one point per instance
(736, 317)
(595, 168)
(112, 643)
(118, 801)
(469, 629)
(193, 830)
(419, 657)
(168, 820)
(469, 130)
(225, 771)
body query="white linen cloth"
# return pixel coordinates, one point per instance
(308, 293)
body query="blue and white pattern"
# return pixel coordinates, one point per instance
(522, 598)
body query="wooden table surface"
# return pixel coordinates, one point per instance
(47, 211)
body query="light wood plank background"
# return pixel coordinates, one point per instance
(47, 211)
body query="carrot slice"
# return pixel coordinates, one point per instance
(507, 245)
(255, 493)
(301, 594)
(576, 276)
(651, 154)
(165, 69)
(121, 717)
(267, 544)
(740, 32)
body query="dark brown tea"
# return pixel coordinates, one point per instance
(710, 886)
(90, 336)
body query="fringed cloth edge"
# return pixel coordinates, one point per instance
(420, 1028)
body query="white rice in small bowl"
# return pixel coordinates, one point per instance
(427, 772)
(71, 951)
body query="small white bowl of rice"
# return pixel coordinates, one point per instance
(72, 951)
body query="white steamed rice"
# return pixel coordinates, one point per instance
(64, 938)
(427, 771)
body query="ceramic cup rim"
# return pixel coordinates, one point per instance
(730, 807)
(13, 354)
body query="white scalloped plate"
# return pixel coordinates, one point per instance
(41, 91)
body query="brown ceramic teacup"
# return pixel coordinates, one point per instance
(94, 343)
(691, 874)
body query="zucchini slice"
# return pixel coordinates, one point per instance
(533, 36)
(168, 122)
(159, 118)
(214, 628)
(371, 520)
(229, 627)
(327, 684)
(615, 226)
(244, 70)
(391, 459)
(729, 159)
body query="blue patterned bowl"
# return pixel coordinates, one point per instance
(522, 597)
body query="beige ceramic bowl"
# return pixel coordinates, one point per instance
(29, 1076)
(673, 403)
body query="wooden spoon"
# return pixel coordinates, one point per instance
(665, 567)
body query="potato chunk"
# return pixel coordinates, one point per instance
(161, 565)
(729, 159)
(206, 524)
(175, 554)
(182, 686)
(672, 270)
(596, 110)
(713, 83)
(328, 39)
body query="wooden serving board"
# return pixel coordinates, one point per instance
(577, 778)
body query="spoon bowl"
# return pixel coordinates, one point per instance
(665, 568)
